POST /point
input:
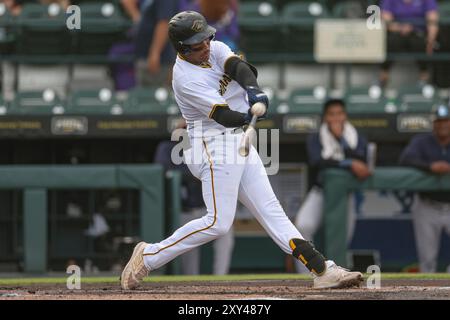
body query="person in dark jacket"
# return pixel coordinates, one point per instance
(336, 145)
(431, 212)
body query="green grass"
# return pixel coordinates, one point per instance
(240, 277)
(418, 276)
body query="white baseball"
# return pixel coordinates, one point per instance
(258, 109)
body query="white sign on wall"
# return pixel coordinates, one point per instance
(338, 40)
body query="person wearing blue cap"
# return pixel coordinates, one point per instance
(431, 212)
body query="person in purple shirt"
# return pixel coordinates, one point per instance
(431, 211)
(412, 27)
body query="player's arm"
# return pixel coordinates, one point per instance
(360, 152)
(413, 157)
(242, 72)
(245, 74)
(223, 115)
(432, 18)
(209, 102)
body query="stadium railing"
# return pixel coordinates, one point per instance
(36, 180)
(337, 185)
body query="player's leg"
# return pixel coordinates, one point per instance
(427, 231)
(308, 220)
(223, 251)
(220, 185)
(310, 215)
(190, 261)
(256, 194)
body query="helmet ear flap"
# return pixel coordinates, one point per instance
(182, 48)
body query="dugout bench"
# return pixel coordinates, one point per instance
(35, 181)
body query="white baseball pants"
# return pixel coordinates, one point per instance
(226, 178)
(429, 223)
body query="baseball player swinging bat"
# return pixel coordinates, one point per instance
(192, 38)
(258, 109)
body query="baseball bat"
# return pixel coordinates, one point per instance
(246, 141)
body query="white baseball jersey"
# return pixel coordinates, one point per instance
(199, 89)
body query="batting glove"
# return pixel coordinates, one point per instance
(256, 95)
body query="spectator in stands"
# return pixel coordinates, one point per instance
(14, 6)
(63, 3)
(349, 9)
(123, 73)
(193, 207)
(154, 54)
(132, 9)
(147, 41)
(336, 145)
(431, 211)
(221, 14)
(412, 27)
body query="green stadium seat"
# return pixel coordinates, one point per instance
(42, 30)
(260, 32)
(274, 100)
(157, 100)
(441, 69)
(444, 26)
(444, 9)
(273, 2)
(102, 25)
(117, 3)
(350, 9)
(283, 3)
(367, 100)
(417, 99)
(37, 102)
(78, 2)
(95, 101)
(298, 24)
(307, 100)
(5, 15)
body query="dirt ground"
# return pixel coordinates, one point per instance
(224, 290)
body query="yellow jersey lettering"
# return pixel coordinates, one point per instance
(224, 82)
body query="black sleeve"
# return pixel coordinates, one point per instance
(413, 157)
(360, 152)
(228, 118)
(242, 72)
(315, 159)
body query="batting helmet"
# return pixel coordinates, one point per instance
(187, 28)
